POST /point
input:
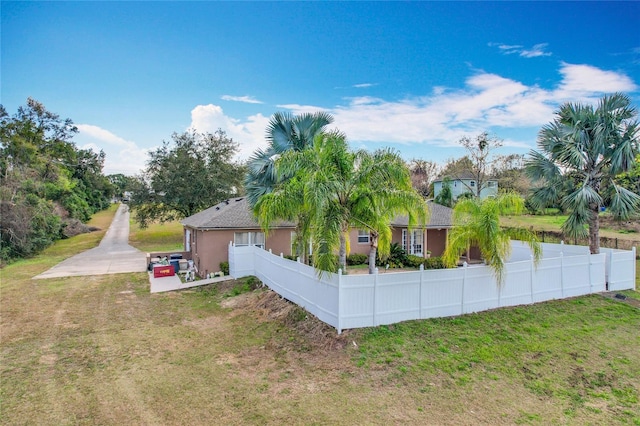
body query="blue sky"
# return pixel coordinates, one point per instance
(415, 76)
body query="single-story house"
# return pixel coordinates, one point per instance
(207, 234)
(466, 182)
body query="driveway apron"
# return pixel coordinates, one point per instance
(113, 255)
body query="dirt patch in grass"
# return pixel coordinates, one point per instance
(269, 306)
(622, 298)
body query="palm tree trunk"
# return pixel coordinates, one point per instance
(342, 253)
(594, 229)
(373, 249)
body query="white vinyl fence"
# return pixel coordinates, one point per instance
(353, 301)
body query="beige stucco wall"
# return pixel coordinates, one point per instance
(436, 241)
(354, 246)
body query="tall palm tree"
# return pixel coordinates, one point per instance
(339, 189)
(285, 132)
(476, 223)
(593, 146)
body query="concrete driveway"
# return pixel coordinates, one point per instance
(114, 255)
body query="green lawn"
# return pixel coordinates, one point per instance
(157, 237)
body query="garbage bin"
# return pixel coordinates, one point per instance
(176, 265)
(175, 256)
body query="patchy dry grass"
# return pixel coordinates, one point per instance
(103, 350)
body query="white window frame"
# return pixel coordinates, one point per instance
(363, 236)
(253, 239)
(416, 247)
(404, 240)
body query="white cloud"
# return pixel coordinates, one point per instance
(587, 83)
(487, 102)
(364, 85)
(534, 52)
(122, 156)
(245, 99)
(248, 133)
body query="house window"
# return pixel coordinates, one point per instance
(363, 236)
(249, 239)
(415, 247)
(491, 183)
(473, 183)
(404, 240)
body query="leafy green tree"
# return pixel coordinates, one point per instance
(445, 197)
(285, 132)
(476, 223)
(631, 179)
(185, 176)
(594, 145)
(46, 183)
(339, 189)
(510, 173)
(121, 184)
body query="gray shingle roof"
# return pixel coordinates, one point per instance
(235, 214)
(440, 217)
(231, 214)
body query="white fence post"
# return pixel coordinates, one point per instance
(590, 277)
(375, 299)
(232, 260)
(633, 262)
(531, 276)
(562, 272)
(340, 301)
(464, 280)
(420, 293)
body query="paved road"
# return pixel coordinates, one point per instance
(114, 255)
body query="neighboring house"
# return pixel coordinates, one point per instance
(466, 182)
(207, 234)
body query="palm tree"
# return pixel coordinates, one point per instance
(285, 132)
(476, 223)
(593, 146)
(339, 189)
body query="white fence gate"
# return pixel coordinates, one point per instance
(354, 301)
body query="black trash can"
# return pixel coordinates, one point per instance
(175, 256)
